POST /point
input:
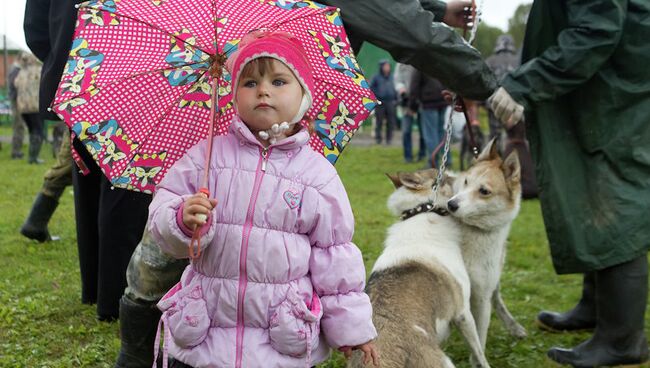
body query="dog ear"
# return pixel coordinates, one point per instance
(394, 178)
(489, 152)
(411, 180)
(427, 173)
(511, 168)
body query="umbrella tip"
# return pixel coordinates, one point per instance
(77, 6)
(49, 109)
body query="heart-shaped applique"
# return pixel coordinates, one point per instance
(292, 199)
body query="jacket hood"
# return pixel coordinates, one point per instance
(505, 42)
(381, 63)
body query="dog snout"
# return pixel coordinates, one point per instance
(452, 205)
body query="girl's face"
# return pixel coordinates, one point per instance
(267, 93)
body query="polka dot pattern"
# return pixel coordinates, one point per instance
(147, 71)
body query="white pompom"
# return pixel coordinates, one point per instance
(263, 134)
(275, 128)
(284, 126)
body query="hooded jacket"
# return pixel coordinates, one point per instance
(382, 85)
(278, 281)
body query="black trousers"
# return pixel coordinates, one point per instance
(35, 125)
(110, 223)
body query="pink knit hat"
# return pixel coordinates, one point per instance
(281, 46)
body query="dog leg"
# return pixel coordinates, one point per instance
(447, 363)
(513, 327)
(467, 326)
(481, 310)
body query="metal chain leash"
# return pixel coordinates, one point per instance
(448, 124)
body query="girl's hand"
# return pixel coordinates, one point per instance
(369, 352)
(195, 205)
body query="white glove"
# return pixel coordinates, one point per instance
(505, 108)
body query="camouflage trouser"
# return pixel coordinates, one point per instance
(59, 175)
(151, 273)
(18, 131)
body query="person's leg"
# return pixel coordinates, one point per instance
(580, 317)
(18, 135)
(150, 274)
(122, 217)
(59, 132)
(421, 146)
(428, 118)
(35, 128)
(407, 144)
(391, 121)
(380, 116)
(56, 179)
(86, 204)
(619, 338)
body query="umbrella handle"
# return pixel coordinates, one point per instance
(196, 235)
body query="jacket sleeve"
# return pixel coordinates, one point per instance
(412, 36)
(583, 47)
(37, 27)
(337, 271)
(180, 182)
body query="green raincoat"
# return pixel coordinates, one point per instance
(411, 32)
(585, 85)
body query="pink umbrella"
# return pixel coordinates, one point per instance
(144, 77)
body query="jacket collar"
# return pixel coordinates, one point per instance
(241, 131)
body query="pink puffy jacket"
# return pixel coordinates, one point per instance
(279, 280)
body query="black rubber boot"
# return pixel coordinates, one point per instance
(619, 339)
(138, 326)
(582, 317)
(35, 227)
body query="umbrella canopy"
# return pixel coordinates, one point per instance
(137, 86)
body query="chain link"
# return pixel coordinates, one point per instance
(445, 154)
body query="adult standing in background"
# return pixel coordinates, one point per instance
(26, 84)
(18, 126)
(427, 93)
(384, 89)
(585, 86)
(402, 78)
(109, 222)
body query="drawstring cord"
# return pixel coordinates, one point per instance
(156, 346)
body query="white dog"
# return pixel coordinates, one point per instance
(419, 284)
(486, 200)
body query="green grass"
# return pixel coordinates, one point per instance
(43, 323)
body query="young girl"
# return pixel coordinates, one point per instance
(278, 281)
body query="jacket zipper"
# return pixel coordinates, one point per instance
(243, 253)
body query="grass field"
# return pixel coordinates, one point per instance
(43, 323)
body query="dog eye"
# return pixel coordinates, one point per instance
(484, 191)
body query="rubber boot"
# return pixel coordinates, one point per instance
(619, 339)
(35, 143)
(35, 227)
(582, 317)
(138, 326)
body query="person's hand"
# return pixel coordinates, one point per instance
(196, 210)
(505, 108)
(459, 13)
(369, 350)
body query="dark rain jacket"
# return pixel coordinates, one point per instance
(382, 85)
(585, 84)
(49, 27)
(411, 32)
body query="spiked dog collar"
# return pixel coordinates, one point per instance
(422, 208)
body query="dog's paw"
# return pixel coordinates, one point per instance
(517, 330)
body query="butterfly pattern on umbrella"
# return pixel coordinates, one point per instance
(124, 149)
